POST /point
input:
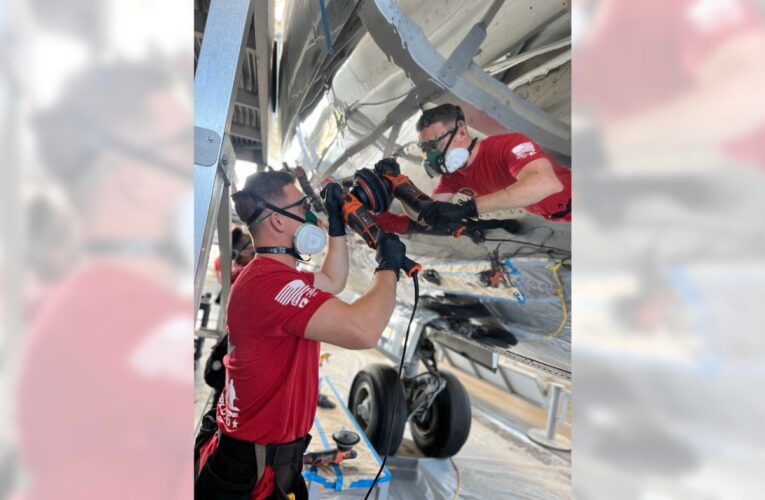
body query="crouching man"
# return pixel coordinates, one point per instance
(277, 316)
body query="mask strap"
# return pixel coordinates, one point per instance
(472, 144)
(265, 205)
(441, 163)
(282, 250)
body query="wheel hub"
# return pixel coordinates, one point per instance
(363, 408)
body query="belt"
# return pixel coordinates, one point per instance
(563, 213)
(272, 455)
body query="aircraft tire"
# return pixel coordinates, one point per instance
(371, 403)
(446, 425)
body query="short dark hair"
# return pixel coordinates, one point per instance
(267, 186)
(447, 114)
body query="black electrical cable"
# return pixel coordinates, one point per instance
(529, 244)
(397, 390)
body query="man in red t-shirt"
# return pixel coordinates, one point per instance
(277, 316)
(242, 253)
(500, 172)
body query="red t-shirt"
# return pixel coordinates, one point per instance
(496, 166)
(236, 270)
(272, 371)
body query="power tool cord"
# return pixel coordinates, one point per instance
(397, 389)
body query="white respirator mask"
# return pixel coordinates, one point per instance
(455, 159)
(309, 238)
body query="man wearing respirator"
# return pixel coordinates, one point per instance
(277, 317)
(499, 172)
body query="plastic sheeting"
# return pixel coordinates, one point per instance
(497, 461)
(525, 302)
(493, 463)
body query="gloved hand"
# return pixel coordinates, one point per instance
(332, 196)
(388, 166)
(390, 253)
(439, 213)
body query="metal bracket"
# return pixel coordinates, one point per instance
(227, 159)
(471, 350)
(392, 137)
(462, 56)
(206, 146)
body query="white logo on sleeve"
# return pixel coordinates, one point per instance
(295, 293)
(524, 150)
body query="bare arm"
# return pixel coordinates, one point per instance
(358, 325)
(333, 273)
(536, 181)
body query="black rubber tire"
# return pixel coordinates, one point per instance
(448, 421)
(377, 383)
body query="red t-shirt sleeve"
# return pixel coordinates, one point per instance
(393, 223)
(296, 300)
(518, 151)
(443, 186)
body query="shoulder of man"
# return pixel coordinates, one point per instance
(515, 145)
(276, 289)
(261, 277)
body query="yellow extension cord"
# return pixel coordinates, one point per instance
(559, 291)
(457, 490)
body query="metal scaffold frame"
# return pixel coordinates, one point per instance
(216, 89)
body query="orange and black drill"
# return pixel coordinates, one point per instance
(402, 188)
(366, 196)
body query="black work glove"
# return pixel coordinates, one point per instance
(332, 196)
(390, 253)
(438, 213)
(388, 166)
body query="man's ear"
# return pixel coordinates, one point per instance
(462, 129)
(276, 221)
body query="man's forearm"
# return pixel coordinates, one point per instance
(376, 306)
(335, 265)
(523, 193)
